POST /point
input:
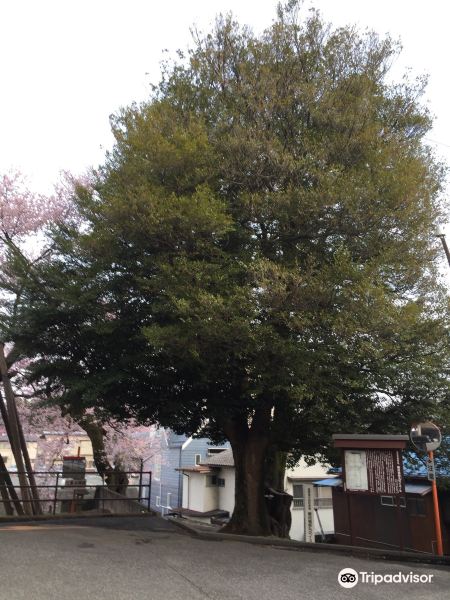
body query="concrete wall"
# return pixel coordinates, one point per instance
(116, 503)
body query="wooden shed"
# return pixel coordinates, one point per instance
(373, 504)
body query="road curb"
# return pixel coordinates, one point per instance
(63, 517)
(356, 551)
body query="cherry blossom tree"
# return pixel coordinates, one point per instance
(130, 445)
(24, 217)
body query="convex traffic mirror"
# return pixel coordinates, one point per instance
(426, 437)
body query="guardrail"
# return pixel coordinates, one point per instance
(67, 492)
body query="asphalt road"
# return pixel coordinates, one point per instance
(121, 559)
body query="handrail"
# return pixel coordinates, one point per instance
(79, 487)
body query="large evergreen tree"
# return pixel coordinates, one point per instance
(257, 258)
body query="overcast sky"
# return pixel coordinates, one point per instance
(66, 65)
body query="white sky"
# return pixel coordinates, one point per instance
(65, 66)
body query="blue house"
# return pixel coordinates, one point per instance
(173, 452)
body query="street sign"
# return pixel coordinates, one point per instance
(426, 437)
(431, 471)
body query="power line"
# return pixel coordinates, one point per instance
(436, 142)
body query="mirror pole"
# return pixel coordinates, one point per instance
(437, 518)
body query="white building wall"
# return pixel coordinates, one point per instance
(226, 493)
(200, 496)
(185, 483)
(194, 492)
(301, 469)
(298, 523)
(316, 471)
(211, 495)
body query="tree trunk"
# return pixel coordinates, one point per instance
(96, 434)
(278, 501)
(275, 468)
(14, 438)
(249, 446)
(115, 478)
(11, 489)
(261, 505)
(250, 515)
(6, 501)
(37, 509)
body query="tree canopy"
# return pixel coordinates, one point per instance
(257, 255)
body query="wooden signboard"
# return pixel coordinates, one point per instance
(374, 471)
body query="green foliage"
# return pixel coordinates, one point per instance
(261, 239)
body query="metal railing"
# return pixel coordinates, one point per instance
(318, 503)
(323, 502)
(72, 491)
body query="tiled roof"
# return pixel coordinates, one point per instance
(187, 512)
(414, 465)
(197, 469)
(220, 459)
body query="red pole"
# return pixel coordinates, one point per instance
(437, 518)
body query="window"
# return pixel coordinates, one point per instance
(211, 480)
(387, 501)
(402, 501)
(297, 492)
(323, 497)
(198, 458)
(215, 451)
(416, 507)
(157, 469)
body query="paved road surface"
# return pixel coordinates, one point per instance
(137, 559)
